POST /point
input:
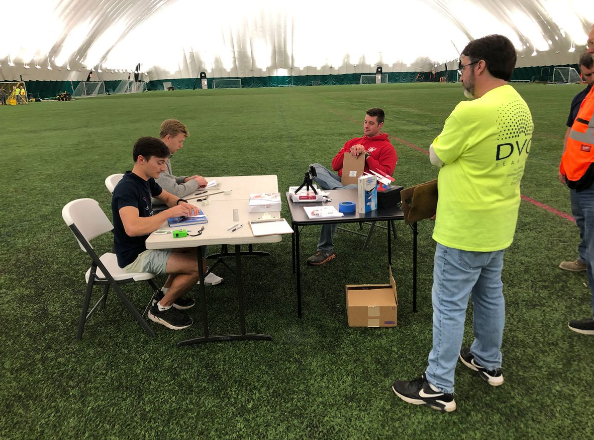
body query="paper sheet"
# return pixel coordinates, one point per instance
(271, 227)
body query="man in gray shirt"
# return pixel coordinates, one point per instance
(173, 134)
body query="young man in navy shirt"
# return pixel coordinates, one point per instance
(134, 221)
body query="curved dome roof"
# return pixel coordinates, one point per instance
(64, 39)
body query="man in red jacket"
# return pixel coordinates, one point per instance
(380, 156)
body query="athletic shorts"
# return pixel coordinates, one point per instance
(151, 260)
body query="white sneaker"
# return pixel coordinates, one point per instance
(211, 280)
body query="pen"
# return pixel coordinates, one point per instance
(236, 228)
(235, 225)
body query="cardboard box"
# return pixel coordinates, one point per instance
(352, 168)
(372, 305)
(367, 194)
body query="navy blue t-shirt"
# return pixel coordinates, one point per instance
(134, 191)
(575, 105)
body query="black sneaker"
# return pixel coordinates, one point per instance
(170, 318)
(584, 326)
(419, 392)
(492, 377)
(320, 258)
(180, 303)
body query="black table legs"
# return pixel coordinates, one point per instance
(243, 336)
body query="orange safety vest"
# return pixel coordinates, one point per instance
(577, 160)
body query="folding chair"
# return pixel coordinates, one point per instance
(87, 221)
(112, 181)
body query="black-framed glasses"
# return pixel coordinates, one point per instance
(461, 66)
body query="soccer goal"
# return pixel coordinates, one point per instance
(374, 79)
(87, 89)
(565, 75)
(129, 86)
(227, 83)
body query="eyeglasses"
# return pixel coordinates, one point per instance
(461, 67)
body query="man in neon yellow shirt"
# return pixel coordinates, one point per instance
(482, 151)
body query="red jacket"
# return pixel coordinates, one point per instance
(383, 156)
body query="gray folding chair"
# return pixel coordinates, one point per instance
(112, 181)
(87, 221)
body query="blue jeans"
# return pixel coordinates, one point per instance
(328, 180)
(458, 275)
(583, 202)
(578, 215)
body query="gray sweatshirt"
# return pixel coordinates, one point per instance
(174, 184)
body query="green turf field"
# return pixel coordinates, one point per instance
(318, 379)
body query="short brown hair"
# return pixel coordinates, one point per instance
(376, 112)
(148, 147)
(587, 60)
(173, 127)
(497, 51)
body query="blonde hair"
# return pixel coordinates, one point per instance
(173, 127)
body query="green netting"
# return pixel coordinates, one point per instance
(49, 89)
(538, 73)
(284, 81)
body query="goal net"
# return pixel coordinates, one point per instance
(129, 86)
(227, 83)
(565, 75)
(88, 89)
(380, 78)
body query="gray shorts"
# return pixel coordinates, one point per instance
(151, 260)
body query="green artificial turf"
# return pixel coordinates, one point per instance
(318, 379)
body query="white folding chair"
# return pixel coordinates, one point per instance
(87, 221)
(112, 181)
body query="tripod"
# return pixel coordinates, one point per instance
(307, 181)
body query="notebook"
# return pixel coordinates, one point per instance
(270, 227)
(175, 222)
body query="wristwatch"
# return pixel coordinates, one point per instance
(180, 200)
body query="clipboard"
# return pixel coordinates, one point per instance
(352, 168)
(273, 226)
(419, 202)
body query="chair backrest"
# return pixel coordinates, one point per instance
(89, 219)
(112, 181)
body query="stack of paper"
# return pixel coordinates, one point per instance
(265, 202)
(270, 227)
(322, 212)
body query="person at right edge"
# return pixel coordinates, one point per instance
(587, 70)
(482, 151)
(577, 167)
